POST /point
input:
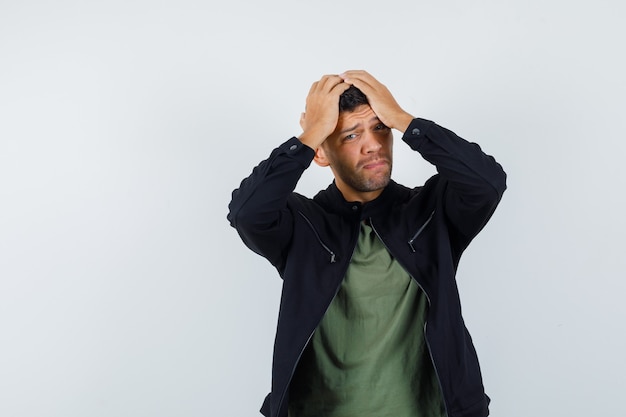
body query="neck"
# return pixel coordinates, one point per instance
(351, 195)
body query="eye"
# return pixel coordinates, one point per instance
(350, 137)
(380, 126)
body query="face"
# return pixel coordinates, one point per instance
(359, 152)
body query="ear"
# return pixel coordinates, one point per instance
(320, 157)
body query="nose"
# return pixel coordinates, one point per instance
(371, 142)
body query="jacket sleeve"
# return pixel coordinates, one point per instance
(259, 207)
(473, 181)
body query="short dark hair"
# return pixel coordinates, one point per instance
(351, 99)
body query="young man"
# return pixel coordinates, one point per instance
(370, 320)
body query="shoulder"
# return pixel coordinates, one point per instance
(301, 203)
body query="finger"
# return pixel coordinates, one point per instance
(303, 121)
(358, 74)
(360, 79)
(362, 85)
(313, 87)
(340, 88)
(355, 73)
(328, 82)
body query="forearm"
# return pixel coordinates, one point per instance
(266, 190)
(258, 209)
(473, 181)
(462, 163)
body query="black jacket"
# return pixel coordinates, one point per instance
(310, 242)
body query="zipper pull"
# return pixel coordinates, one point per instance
(419, 231)
(411, 245)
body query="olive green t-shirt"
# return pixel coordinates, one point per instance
(368, 357)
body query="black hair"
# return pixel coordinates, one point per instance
(351, 99)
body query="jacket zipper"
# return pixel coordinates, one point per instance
(419, 231)
(319, 239)
(430, 353)
(293, 370)
(432, 360)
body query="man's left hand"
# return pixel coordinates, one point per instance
(380, 99)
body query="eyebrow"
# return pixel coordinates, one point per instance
(349, 129)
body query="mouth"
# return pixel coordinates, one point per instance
(375, 163)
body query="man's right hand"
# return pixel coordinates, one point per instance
(322, 110)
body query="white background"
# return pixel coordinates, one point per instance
(125, 125)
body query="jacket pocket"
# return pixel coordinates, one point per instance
(419, 231)
(319, 239)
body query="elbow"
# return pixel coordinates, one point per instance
(500, 182)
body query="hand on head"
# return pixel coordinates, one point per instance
(380, 99)
(322, 110)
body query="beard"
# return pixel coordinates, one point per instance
(361, 180)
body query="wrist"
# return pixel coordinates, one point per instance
(312, 139)
(402, 122)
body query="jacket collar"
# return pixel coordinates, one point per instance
(332, 200)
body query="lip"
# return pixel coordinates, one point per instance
(375, 164)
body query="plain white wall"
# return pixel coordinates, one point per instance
(125, 125)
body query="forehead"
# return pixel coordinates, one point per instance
(360, 114)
